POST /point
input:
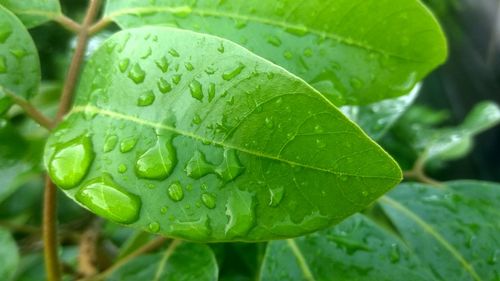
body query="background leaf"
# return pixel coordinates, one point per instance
(188, 262)
(452, 231)
(33, 12)
(218, 145)
(355, 52)
(19, 64)
(9, 255)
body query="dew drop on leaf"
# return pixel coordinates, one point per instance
(109, 200)
(128, 144)
(175, 192)
(146, 99)
(157, 162)
(173, 53)
(189, 66)
(228, 76)
(197, 119)
(123, 65)
(208, 200)
(395, 253)
(211, 92)
(198, 166)
(19, 53)
(176, 79)
(276, 195)
(230, 168)
(5, 32)
(162, 64)
(273, 40)
(196, 90)
(185, 228)
(137, 74)
(154, 227)
(122, 168)
(110, 143)
(71, 162)
(240, 212)
(164, 86)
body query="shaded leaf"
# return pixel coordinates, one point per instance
(188, 262)
(9, 255)
(355, 52)
(234, 149)
(33, 12)
(19, 64)
(453, 230)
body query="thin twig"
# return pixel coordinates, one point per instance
(68, 23)
(52, 264)
(418, 172)
(152, 245)
(76, 61)
(99, 25)
(30, 110)
(88, 249)
(170, 250)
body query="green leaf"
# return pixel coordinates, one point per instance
(453, 230)
(9, 255)
(356, 249)
(188, 262)
(19, 64)
(377, 118)
(5, 103)
(33, 12)
(192, 136)
(356, 52)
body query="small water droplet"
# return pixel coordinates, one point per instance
(228, 76)
(146, 99)
(189, 66)
(123, 65)
(19, 53)
(269, 122)
(273, 40)
(176, 79)
(211, 92)
(146, 53)
(208, 200)
(137, 74)
(210, 70)
(288, 55)
(173, 53)
(110, 143)
(230, 168)
(164, 210)
(276, 195)
(356, 83)
(109, 200)
(122, 168)
(128, 144)
(157, 162)
(221, 48)
(196, 90)
(240, 24)
(197, 119)
(298, 30)
(240, 211)
(308, 52)
(175, 192)
(71, 161)
(154, 227)
(320, 143)
(164, 86)
(5, 32)
(364, 193)
(162, 64)
(198, 166)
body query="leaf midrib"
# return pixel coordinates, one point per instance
(120, 116)
(281, 24)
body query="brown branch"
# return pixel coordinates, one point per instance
(151, 246)
(418, 173)
(99, 25)
(88, 254)
(30, 110)
(50, 243)
(68, 23)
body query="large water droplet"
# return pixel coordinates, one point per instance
(107, 199)
(137, 74)
(146, 99)
(71, 162)
(198, 166)
(123, 65)
(128, 144)
(233, 73)
(276, 195)
(208, 200)
(163, 64)
(230, 168)
(196, 90)
(175, 192)
(185, 228)
(157, 162)
(240, 210)
(110, 143)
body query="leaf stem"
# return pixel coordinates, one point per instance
(152, 245)
(99, 25)
(170, 250)
(418, 172)
(301, 260)
(30, 110)
(52, 264)
(68, 23)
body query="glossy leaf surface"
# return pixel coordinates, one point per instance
(356, 249)
(208, 142)
(453, 230)
(356, 52)
(19, 64)
(9, 255)
(188, 262)
(33, 12)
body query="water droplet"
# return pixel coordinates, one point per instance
(208, 200)
(3, 64)
(197, 119)
(196, 90)
(273, 40)
(210, 70)
(211, 92)
(276, 195)
(154, 227)
(320, 143)
(122, 168)
(110, 143)
(146, 99)
(164, 210)
(128, 144)
(269, 122)
(71, 161)
(175, 192)
(221, 48)
(146, 53)
(230, 168)
(240, 210)
(176, 79)
(164, 86)
(395, 253)
(173, 53)
(185, 229)
(308, 53)
(198, 166)
(240, 24)
(137, 74)
(123, 65)
(5, 32)
(356, 83)
(189, 66)
(288, 55)
(162, 64)
(157, 162)
(109, 200)
(298, 30)
(364, 193)
(233, 73)
(19, 53)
